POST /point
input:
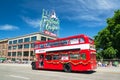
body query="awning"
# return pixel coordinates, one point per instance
(2, 58)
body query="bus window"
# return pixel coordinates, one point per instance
(92, 46)
(64, 42)
(75, 56)
(37, 46)
(55, 44)
(90, 40)
(56, 57)
(64, 57)
(48, 57)
(83, 56)
(82, 40)
(93, 56)
(74, 41)
(41, 45)
(48, 45)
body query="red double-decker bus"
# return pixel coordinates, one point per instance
(74, 53)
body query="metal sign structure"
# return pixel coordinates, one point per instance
(49, 23)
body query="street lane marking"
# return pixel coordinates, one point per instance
(15, 76)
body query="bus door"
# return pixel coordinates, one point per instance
(41, 61)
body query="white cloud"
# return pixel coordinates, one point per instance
(31, 22)
(89, 8)
(96, 4)
(105, 4)
(84, 17)
(8, 27)
(92, 24)
(90, 18)
(77, 10)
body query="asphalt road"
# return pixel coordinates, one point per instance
(23, 72)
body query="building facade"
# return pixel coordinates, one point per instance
(22, 48)
(3, 48)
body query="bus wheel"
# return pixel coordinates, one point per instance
(67, 67)
(33, 66)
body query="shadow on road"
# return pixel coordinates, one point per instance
(76, 72)
(86, 72)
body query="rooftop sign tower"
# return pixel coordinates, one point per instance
(49, 23)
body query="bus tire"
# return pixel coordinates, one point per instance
(33, 66)
(67, 67)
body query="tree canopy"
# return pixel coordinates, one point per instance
(107, 41)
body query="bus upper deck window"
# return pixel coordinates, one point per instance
(64, 42)
(41, 45)
(90, 40)
(82, 40)
(74, 41)
(36, 46)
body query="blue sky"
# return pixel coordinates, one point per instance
(20, 17)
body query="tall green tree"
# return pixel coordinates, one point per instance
(108, 40)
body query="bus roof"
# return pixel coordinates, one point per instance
(59, 39)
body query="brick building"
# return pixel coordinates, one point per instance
(22, 47)
(3, 48)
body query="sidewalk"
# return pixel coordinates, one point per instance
(108, 69)
(16, 64)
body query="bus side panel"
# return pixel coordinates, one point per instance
(54, 65)
(81, 66)
(93, 59)
(37, 61)
(37, 65)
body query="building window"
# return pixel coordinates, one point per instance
(10, 42)
(14, 54)
(43, 38)
(9, 47)
(20, 46)
(25, 60)
(49, 39)
(20, 41)
(14, 47)
(26, 45)
(19, 54)
(9, 53)
(13, 59)
(27, 40)
(15, 42)
(26, 54)
(32, 45)
(31, 53)
(34, 38)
